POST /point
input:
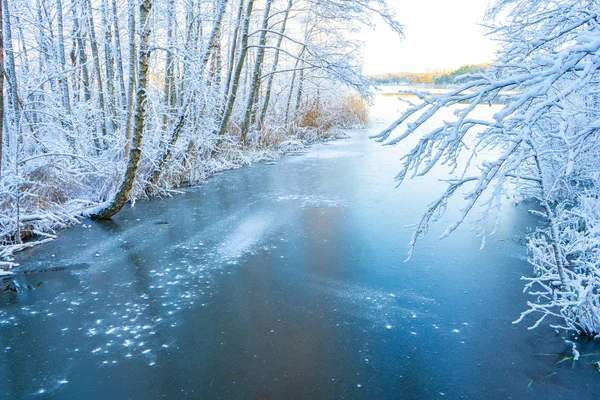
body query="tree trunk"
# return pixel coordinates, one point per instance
(85, 75)
(255, 80)
(167, 154)
(61, 58)
(108, 64)
(300, 82)
(233, 49)
(265, 106)
(215, 35)
(131, 85)
(300, 89)
(307, 30)
(218, 68)
(119, 56)
(46, 54)
(96, 57)
(79, 37)
(288, 104)
(169, 62)
(1, 87)
(238, 70)
(76, 84)
(25, 58)
(135, 154)
(10, 71)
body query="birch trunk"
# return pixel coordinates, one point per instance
(76, 80)
(307, 31)
(265, 106)
(119, 55)
(238, 69)
(61, 59)
(218, 62)
(169, 62)
(132, 71)
(300, 89)
(288, 104)
(215, 35)
(85, 74)
(255, 80)
(141, 96)
(25, 60)
(10, 70)
(233, 50)
(46, 55)
(1, 87)
(96, 59)
(108, 64)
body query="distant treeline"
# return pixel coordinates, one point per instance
(439, 77)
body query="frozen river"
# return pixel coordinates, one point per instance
(284, 280)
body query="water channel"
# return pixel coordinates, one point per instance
(284, 280)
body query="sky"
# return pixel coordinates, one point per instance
(439, 34)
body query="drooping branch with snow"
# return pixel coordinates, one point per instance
(545, 144)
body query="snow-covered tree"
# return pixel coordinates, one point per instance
(545, 137)
(208, 89)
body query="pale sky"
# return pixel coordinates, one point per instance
(439, 34)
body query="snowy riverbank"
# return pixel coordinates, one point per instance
(45, 226)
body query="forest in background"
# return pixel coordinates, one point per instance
(113, 100)
(434, 77)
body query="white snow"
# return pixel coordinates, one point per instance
(247, 234)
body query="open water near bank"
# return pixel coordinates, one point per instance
(284, 280)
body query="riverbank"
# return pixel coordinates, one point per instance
(44, 227)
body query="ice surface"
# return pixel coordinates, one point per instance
(291, 272)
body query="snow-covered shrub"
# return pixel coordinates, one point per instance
(354, 111)
(566, 276)
(347, 111)
(316, 114)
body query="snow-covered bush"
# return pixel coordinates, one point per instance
(348, 111)
(354, 111)
(573, 294)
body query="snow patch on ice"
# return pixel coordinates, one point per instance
(312, 200)
(249, 232)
